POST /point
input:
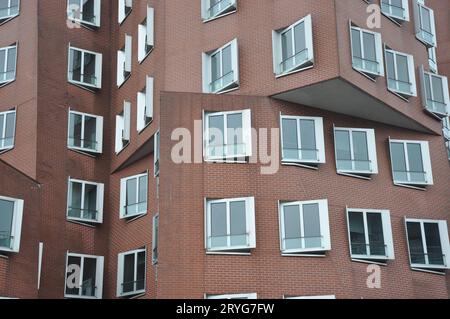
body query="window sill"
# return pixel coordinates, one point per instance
(81, 297)
(218, 92)
(221, 15)
(85, 24)
(122, 149)
(303, 255)
(356, 175)
(382, 262)
(396, 20)
(399, 95)
(140, 61)
(430, 271)
(224, 161)
(87, 87)
(125, 17)
(3, 84)
(125, 79)
(133, 295)
(145, 127)
(426, 43)
(82, 222)
(304, 165)
(436, 115)
(423, 188)
(132, 218)
(6, 150)
(7, 19)
(280, 75)
(228, 253)
(367, 74)
(84, 152)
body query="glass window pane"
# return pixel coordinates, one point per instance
(226, 60)
(416, 171)
(415, 243)
(399, 162)
(357, 233)
(2, 65)
(89, 277)
(72, 285)
(2, 124)
(292, 227)
(140, 271)
(75, 127)
(376, 236)
(88, 11)
(215, 67)
(356, 48)
(11, 64)
(90, 132)
(219, 225)
(216, 136)
(311, 223)
(6, 219)
(425, 19)
(308, 140)
(75, 65)
(343, 152)
(238, 228)
(235, 134)
(89, 69)
(300, 41)
(360, 151)
(390, 70)
(434, 247)
(128, 284)
(143, 194)
(403, 74)
(90, 202)
(290, 139)
(131, 198)
(287, 50)
(370, 55)
(438, 90)
(10, 129)
(75, 209)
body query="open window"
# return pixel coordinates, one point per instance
(146, 35)
(411, 163)
(230, 225)
(124, 61)
(133, 196)
(85, 68)
(400, 71)
(233, 296)
(370, 234)
(435, 97)
(428, 243)
(131, 273)
(221, 69)
(11, 213)
(424, 24)
(212, 9)
(8, 64)
(145, 105)
(356, 152)
(157, 153)
(432, 60)
(293, 48)
(304, 227)
(123, 127)
(9, 9)
(155, 235)
(85, 201)
(398, 10)
(125, 7)
(7, 130)
(84, 276)
(446, 128)
(85, 132)
(302, 140)
(86, 12)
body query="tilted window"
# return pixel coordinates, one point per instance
(425, 24)
(435, 97)
(11, 213)
(87, 12)
(123, 127)
(7, 130)
(9, 9)
(367, 52)
(125, 7)
(212, 9)
(146, 35)
(85, 132)
(85, 68)
(84, 276)
(131, 273)
(133, 196)
(8, 64)
(401, 77)
(85, 201)
(145, 105)
(396, 9)
(124, 61)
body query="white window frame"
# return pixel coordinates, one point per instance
(98, 135)
(100, 201)
(207, 72)
(310, 297)
(250, 224)
(426, 99)
(123, 195)
(419, 7)
(319, 135)
(3, 80)
(156, 153)
(120, 270)
(4, 148)
(324, 227)
(277, 48)
(432, 60)
(146, 35)
(122, 12)
(98, 277)
(16, 228)
(75, 13)
(123, 128)
(443, 233)
(371, 148)
(378, 49)
(155, 237)
(98, 69)
(396, 18)
(411, 74)
(9, 15)
(124, 61)
(223, 10)
(232, 296)
(426, 160)
(387, 234)
(144, 115)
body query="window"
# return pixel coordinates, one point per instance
(396, 9)
(124, 61)
(370, 234)
(85, 132)
(367, 52)
(84, 276)
(355, 151)
(85, 201)
(446, 127)
(85, 68)
(432, 60)
(8, 59)
(8, 9)
(155, 239)
(428, 243)
(145, 105)
(227, 135)
(233, 296)
(447, 146)
(221, 69)
(311, 297)
(133, 196)
(146, 33)
(125, 7)
(156, 153)
(11, 212)
(424, 24)
(411, 164)
(304, 227)
(302, 140)
(230, 224)
(212, 9)
(87, 12)
(7, 130)
(131, 273)
(123, 127)
(400, 73)
(293, 47)
(435, 96)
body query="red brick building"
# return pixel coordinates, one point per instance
(224, 149)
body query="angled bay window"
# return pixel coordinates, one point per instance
(85, 68)
(133, 196)
(124, 57)
(7, 130)
(293, 47)
(304, 227)
(85, 201)
(156, 153)
(302, 140)
(435, 97)
(146, 35)
(396, 9)
(89, 283)
(233, 296)
(86, 12)
(145, 105)
(8, 64)
(131, 270)
(230, 224)
(424, 23)
(9, 9)
(355, 151)
(85, 132)
(221, 69)
(212, 9)
(125, 7)
(411, 163)
(401, 77)
(370, 234)
(367, 52)
(123, 127)
(227, 135)
(428, 243)
(11, 213)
